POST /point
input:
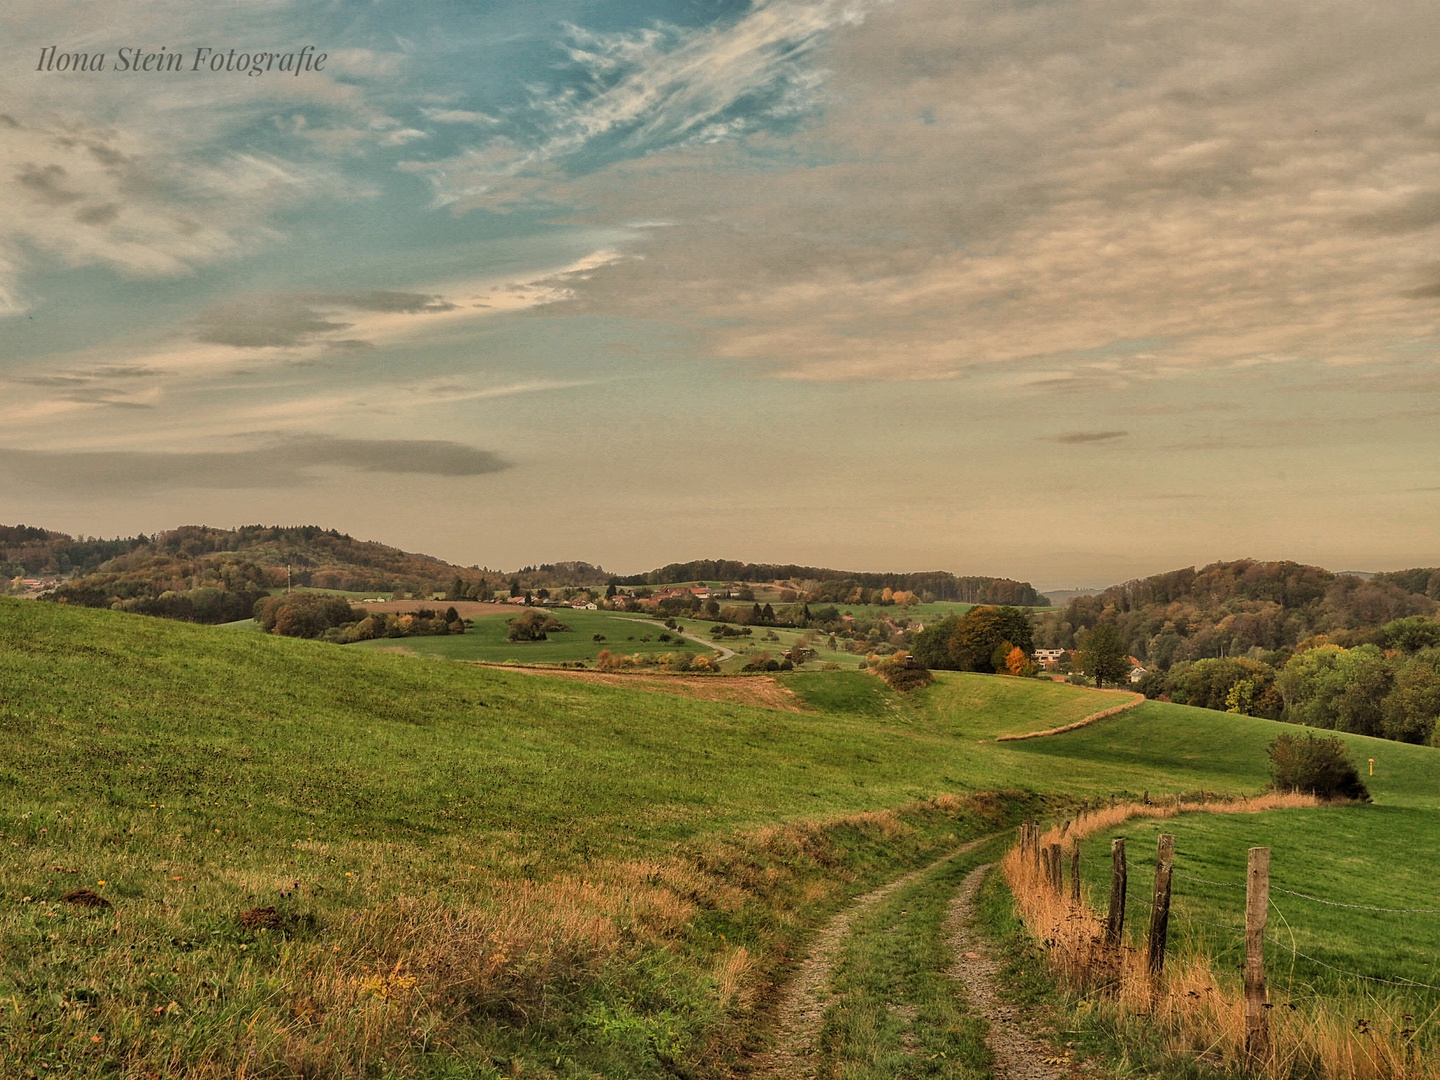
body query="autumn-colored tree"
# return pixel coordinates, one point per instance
(1017, 663)
(979, 633)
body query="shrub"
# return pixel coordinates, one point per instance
(1322, 767)
(534, 626)
(903, 672)
(306, 615)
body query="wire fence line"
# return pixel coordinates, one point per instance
(1313, 899)
(1274, 939)
(1406, 983)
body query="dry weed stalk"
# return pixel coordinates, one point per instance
(1201, 1012)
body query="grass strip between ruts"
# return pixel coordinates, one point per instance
(897, 1013)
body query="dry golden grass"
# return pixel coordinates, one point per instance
(408, 971)
(1133, 699)
(1201, 1012)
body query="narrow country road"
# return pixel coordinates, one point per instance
(725, 654)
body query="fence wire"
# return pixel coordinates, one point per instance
(1274, 939)
(1313, 899)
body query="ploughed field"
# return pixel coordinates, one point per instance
(286, 858)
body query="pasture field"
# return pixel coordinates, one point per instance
(453, 870)
(1362, 857)
(775, 640)
(486, 639)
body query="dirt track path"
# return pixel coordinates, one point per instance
(1018, 1054)
(802, 1007)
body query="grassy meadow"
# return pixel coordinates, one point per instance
(486, 640)
(336, 861)
(1365, 857)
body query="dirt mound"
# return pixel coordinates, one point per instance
(261, 918)
(86, 898)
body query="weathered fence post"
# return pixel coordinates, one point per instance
(1057, 877)
(1160, 906)
(1115, 924)
(1035, 850)
(1257, 911)
(1075, 876)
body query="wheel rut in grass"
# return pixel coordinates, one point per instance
(802, 1006)
(1019, 1055)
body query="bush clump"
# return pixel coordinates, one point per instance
(903, 672)
(535, 626)
(303, 614)
(1319, 767)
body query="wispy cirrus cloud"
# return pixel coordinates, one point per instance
(280, 321)
(647, 90)
(161, 177)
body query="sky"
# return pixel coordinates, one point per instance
(1070, 292)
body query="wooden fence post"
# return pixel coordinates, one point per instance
(1115, 924)
(1035, 851)
(1257, 911)
(1160, 906)
(1075, 876)
(1057, 877)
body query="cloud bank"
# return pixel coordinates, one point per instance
(285, 463)
(1099, 194)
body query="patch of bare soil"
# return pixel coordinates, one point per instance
(733, 689)
(85, 898)
(1019, 1053)
(802, 1007)
(261, 918)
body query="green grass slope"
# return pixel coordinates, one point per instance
(477, 871)
(111, 713)
(1165, 748)
(468, 867)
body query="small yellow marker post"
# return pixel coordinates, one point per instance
(1372, 766)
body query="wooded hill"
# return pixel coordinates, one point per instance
(1241, 608)
(27, 551)
(836, 586)
(207, 575)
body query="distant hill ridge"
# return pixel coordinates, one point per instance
(205, 574)
(939, 584)
(1232, 608)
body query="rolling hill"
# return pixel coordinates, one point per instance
(313, 860)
